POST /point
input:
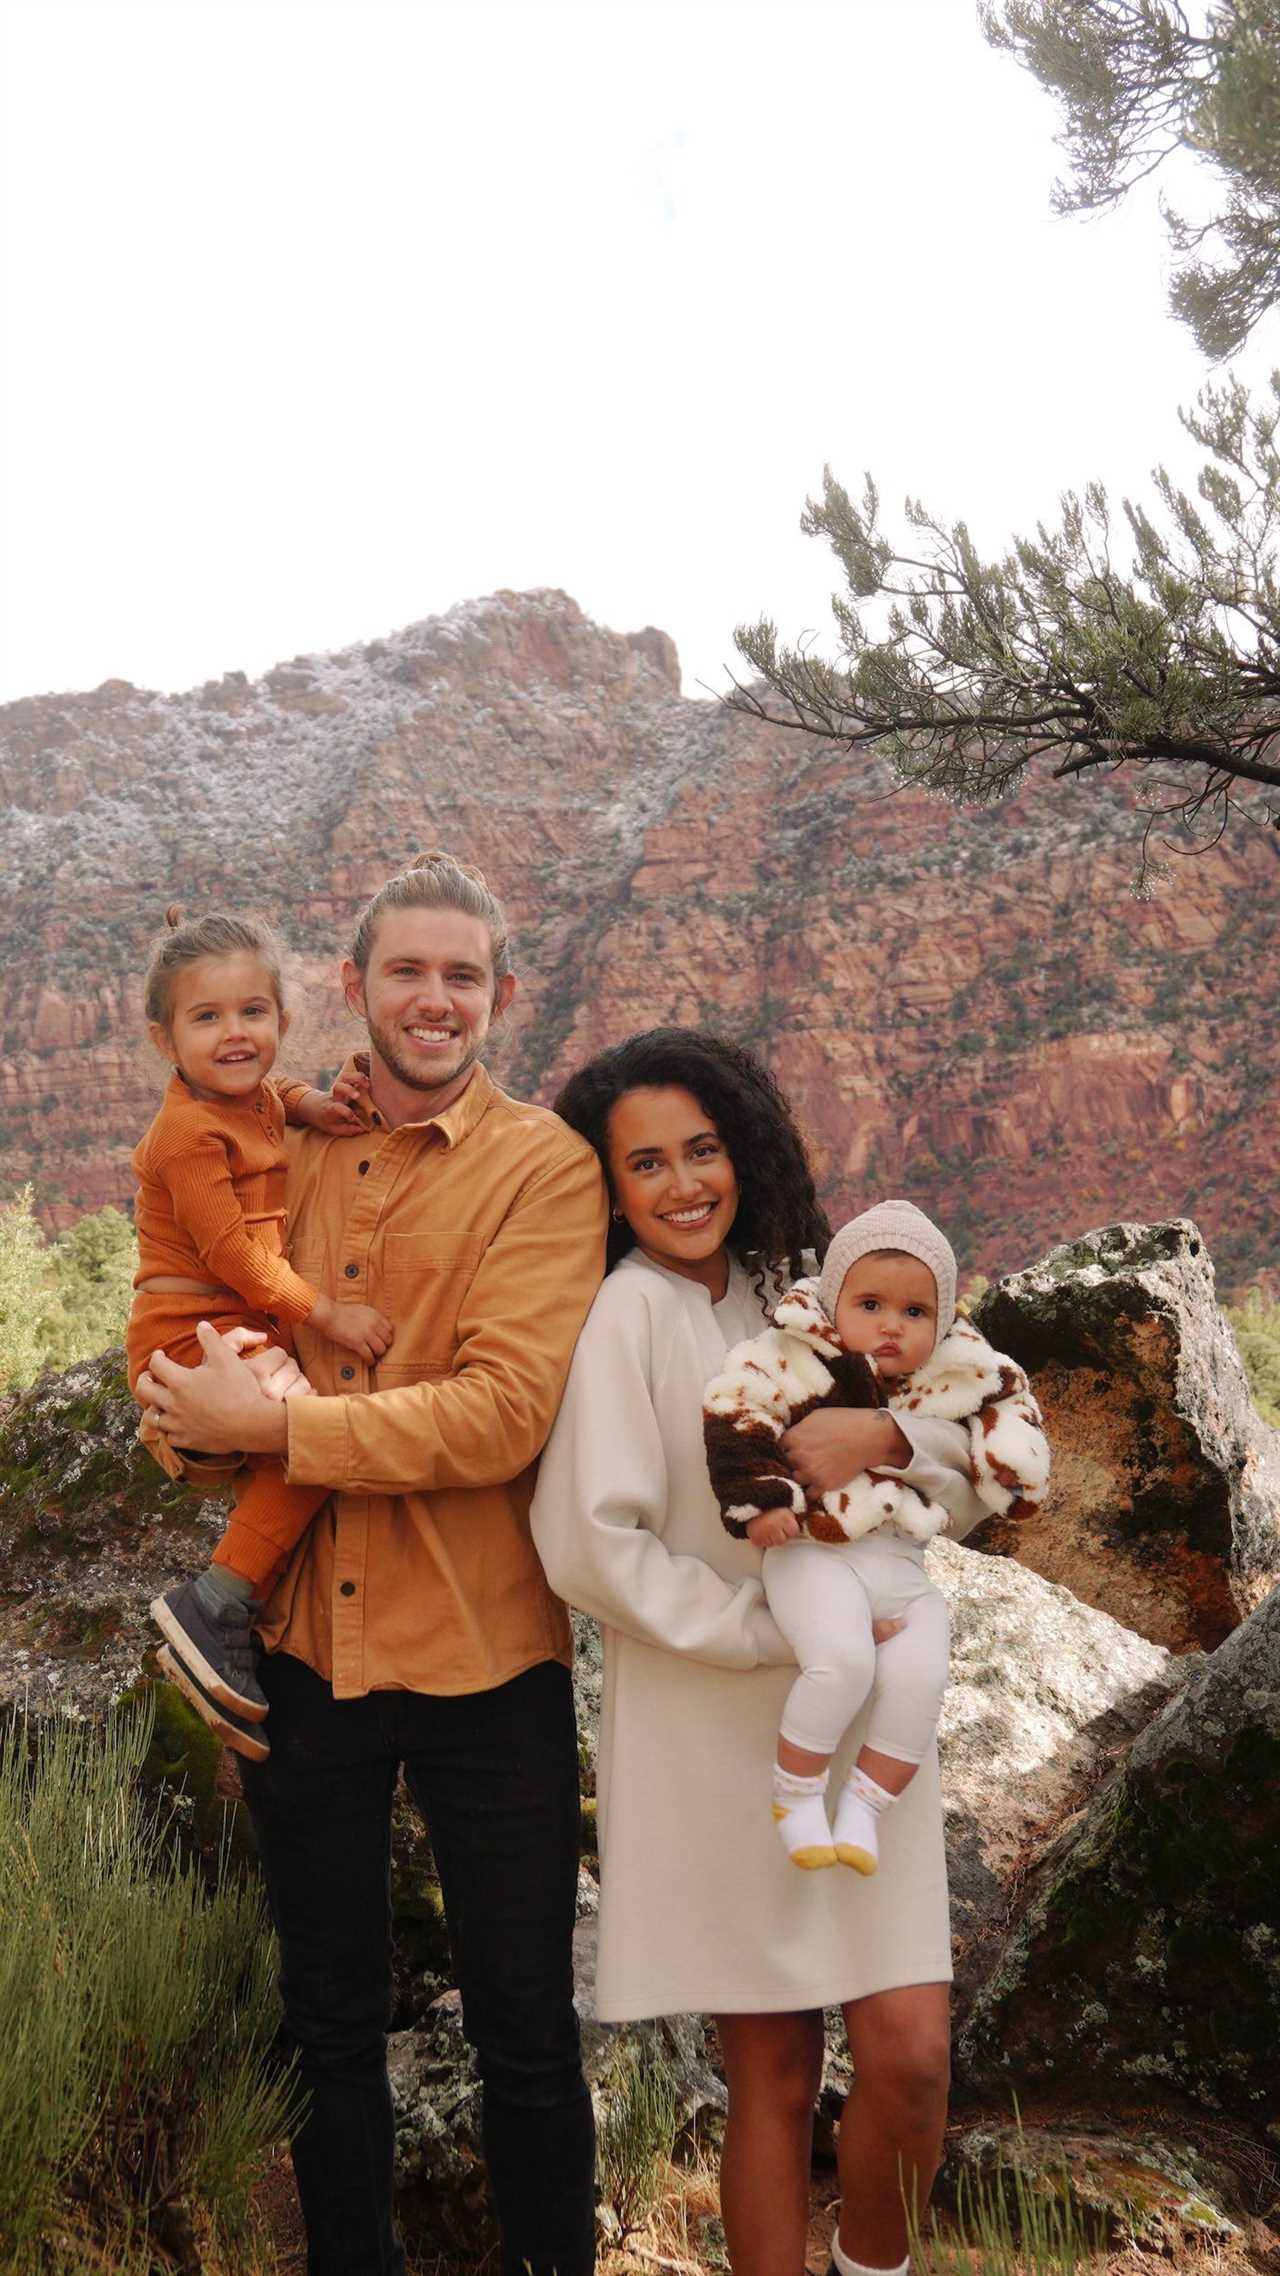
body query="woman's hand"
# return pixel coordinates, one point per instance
(217, 1407)
(835, 1444)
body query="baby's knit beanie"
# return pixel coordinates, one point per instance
(892, 1225)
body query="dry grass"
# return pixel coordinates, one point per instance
(672, 2242)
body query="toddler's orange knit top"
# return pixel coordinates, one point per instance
(210, 1200)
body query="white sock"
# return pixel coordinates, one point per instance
(856, 1838)
(846, 2265)
(801, 1813)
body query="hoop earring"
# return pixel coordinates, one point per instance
(619, 1216)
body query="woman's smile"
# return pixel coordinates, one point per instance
(674, 1181)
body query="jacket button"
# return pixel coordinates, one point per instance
(347, 1588)
(352, 1271)
(348, 1374)
(362, 1167)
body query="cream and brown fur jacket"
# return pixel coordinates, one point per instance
(798, 1364)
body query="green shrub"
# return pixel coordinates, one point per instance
(23, 1271)
(63, 1302)
(135, 2087)
(91, 1269)
(1257, 1329)
(637, 2135)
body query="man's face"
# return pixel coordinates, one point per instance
(428, 995)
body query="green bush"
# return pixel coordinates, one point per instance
(62, 1301)
(636, 2137)
(23, 1271)
(135, 2085)
(1257, 1328)
(91, 1270)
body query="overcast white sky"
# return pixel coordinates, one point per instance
(325, 316)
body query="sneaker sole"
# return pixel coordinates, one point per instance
(252, 1710)
(861, 1860)
(232, 1734)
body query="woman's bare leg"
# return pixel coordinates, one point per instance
(773, 2069)
(891, 2132)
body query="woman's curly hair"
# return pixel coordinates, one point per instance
(778, 1212)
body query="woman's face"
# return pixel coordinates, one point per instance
(673, 1181)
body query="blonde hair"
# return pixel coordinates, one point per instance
(436, 880)
(190, 939)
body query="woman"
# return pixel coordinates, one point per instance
(700, 1908)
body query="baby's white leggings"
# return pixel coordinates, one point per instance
(824, 1598)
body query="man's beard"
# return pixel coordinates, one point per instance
(414, 1077)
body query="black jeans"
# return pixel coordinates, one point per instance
(495, 1774)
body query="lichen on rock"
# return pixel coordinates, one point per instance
(1147, 1954)
(1132, 2190)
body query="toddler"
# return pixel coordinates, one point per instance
(210, 1220)
(877, 1327)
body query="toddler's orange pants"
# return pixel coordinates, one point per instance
(271, 1516)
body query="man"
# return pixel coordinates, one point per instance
(414, 1627)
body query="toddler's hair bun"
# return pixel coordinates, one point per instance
(173, 915)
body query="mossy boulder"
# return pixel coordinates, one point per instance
(1134, 2190)
(1164, 1506)
(1148, 1955)
(183, 1766)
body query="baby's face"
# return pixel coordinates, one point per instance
(888, 1309)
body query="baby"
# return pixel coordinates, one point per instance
(877, 1328)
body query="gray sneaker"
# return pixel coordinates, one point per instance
(218, 1652)
(243, 1738)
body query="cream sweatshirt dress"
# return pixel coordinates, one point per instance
(700, 1908)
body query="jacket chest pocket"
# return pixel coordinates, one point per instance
(421, 1281)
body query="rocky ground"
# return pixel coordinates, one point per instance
(1111, 1772)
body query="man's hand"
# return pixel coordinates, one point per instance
(772, 1528)
(361, 1328)
(835, 1444)
(216, 1407)
(333, 1111)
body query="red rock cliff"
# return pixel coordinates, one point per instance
(967, 1005)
